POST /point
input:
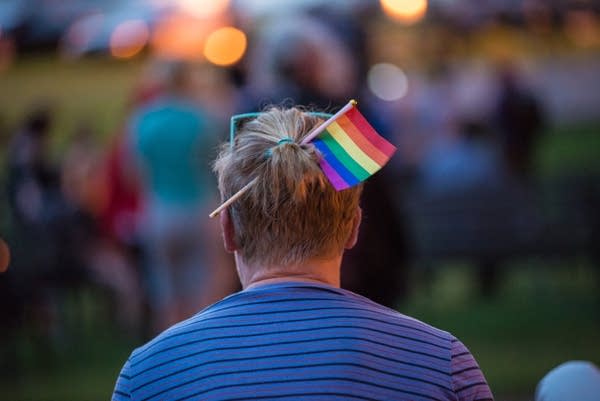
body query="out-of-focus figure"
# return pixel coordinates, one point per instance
(298, 60)
(32, 179)
(519, 120)
(84, 184)
(573, 380)
(118, 254)
(171, 138)
(47, 235)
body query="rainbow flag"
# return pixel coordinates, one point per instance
(352, 150)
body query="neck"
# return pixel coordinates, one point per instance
(320, 271)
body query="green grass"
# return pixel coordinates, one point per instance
(79, 361)
(570, 149)
(545, 313)
(94, 91)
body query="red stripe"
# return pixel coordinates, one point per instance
(361, 141)
(369, 132)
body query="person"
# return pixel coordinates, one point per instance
(170, 137)
(292, 332)
(519, 119)
(572, 380)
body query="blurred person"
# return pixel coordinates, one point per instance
(31, 182)
(45, 233)
(80, 167)
(85, 187)
(31, 175)
(119, 214)
(572, 380)
(299, 59)
(293, 332)
(171, 138)
(519, 120)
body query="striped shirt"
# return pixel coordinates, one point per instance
(298, 341)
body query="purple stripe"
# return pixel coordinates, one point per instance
(456, 366)
(336, 180)
(480, 390)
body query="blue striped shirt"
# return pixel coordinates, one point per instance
(298, 341)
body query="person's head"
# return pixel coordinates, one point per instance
(178, 77)
(571, 380)
(292, 214)
(39, 120)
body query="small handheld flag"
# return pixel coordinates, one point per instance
(352, 151)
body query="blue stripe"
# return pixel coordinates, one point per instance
(335, 163)
(277, 356)
(140, 359)
(315, 365)
(296, 395)
(300, 330)
(325, 379)
(193, 322)
(171, 348)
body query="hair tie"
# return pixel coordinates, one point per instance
(282, 141)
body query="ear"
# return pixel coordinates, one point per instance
(353, 238)
(228, 231)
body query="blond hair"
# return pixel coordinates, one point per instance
(292, 213)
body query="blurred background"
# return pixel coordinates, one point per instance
(485, 223)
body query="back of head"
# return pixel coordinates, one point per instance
(572, 380)
(292, 213)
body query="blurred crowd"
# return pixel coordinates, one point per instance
(129, 218)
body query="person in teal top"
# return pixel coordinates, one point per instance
(171, 139)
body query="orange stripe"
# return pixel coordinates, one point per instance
(361, 141)
(369, 132)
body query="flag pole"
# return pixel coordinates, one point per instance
(233, 198)
(313, 134)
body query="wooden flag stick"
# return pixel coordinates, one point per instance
(233, 198)
(313, 134)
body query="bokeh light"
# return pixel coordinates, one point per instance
(81, 33)
(225, 46)
(405, 11)
(129, 38)
(4, 256)
(203, 8)
(387, 81)
(182, 37)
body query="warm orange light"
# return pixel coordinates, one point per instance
(405, 11)
(129, 38)
(225, 46)
(182, 37)
(203, 8)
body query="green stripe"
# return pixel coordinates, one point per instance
(338, 151)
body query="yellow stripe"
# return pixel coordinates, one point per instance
(352, 149)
